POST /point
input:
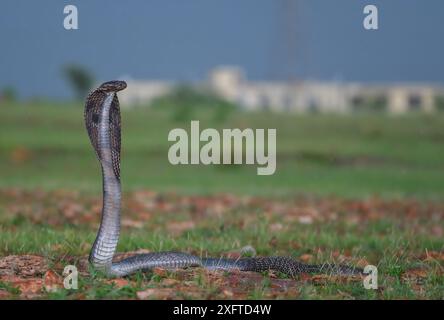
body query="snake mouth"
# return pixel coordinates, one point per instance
(113, 86)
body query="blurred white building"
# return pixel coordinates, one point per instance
(143, 92)
(231, 84)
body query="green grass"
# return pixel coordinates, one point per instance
(352, 156)
(44, 148)
(393, 244)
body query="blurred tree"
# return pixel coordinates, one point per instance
(80, 79)
(8, 94)
(439, 103)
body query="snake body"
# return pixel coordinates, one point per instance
(102, 119)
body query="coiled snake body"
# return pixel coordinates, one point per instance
(102, 119)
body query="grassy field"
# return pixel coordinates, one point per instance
(359, 189)
(47, 147)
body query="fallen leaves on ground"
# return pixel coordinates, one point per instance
(119, 283)
(4, 294)
(433, 255)
(325, 279)
(23, 265)
(175, 215)
(59, 207)
(182, 284)
(157, 293)
(177, 228)
(29, 287)
(52, 281)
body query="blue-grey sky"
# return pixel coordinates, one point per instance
(182, 40)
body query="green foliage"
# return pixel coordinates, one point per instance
(439, 103)
(371, 104)
(186, 103)
(7, 287)
(8, 94)
(79, 78)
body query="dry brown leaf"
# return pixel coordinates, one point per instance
(161, 272)
(157, 293)
(52, 281)
(4, 294)
(305, 277)
(433, 255)
(168, 282)
(29, 287)
(234, 255)
(119, 283)
(415, 273)
(143, 215)
(72, 210)
(132, 223)
(228, 293)
(177, 228)
(306, 258)
(362, 263)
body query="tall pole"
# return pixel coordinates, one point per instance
(286, 47)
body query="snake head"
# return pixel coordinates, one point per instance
(112, 86)
(93, 108)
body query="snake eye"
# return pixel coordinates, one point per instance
(95, 118)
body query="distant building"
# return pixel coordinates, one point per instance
(231, 84)
(143, 92)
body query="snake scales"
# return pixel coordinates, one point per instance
(102, 119)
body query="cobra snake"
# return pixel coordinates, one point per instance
(102, 119)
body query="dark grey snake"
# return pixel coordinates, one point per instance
(102, 119)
